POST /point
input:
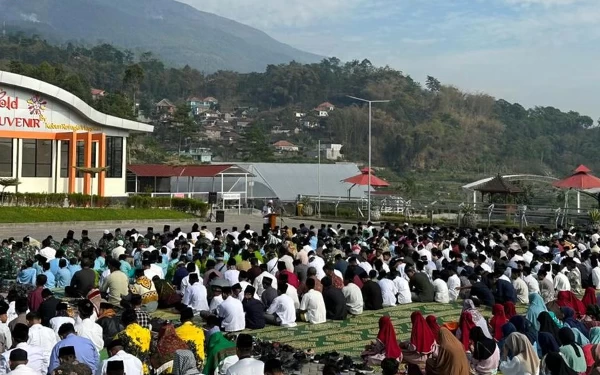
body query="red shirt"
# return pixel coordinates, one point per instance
(337, 281)
(292, 278)
(35, 299)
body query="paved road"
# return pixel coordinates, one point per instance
(58, 231)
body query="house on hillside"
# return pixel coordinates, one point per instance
(165, 108)
(324, 108)
(331, 151)
(285, 146)
(201, 105)
(201, 154)
(97, 93)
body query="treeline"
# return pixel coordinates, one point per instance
(422, 127)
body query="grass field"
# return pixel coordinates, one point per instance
(55, 214)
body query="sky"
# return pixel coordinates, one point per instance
(535, 52)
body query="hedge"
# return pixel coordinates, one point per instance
(181, 204)
(52, 200)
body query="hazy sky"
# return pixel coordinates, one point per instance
(536, 52)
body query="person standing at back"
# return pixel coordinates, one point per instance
(246, 364)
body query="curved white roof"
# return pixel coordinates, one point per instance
(58, 94)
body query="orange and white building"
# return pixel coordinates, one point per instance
(45, 132)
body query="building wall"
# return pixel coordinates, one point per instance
(114, 186)
(25, 114)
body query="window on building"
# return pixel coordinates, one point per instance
(37, 158)
(114, 157)
(81, 156)
(64, 159)
(6, 157)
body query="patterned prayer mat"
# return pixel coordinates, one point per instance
(349, 337)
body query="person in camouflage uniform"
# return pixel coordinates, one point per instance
(28, 249)
(69, 364)
(53, 243)
(68, 246)
(8, 268)
(106, 238)
(119, 235)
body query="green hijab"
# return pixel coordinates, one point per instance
(217, 349)
(595, 335)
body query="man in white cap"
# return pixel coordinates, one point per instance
(119, 250)
(266, 211)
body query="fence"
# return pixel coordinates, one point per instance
(455, 212)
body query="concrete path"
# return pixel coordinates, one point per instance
(58, 231)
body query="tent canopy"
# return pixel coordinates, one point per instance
(362, 179)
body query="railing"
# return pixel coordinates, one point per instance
(390, 207)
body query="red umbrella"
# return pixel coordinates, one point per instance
(582, 179)
(362, 179)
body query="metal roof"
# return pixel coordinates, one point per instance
(288, 180)
(162, 170)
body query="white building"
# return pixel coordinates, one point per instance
(45, 132)
(331, 151)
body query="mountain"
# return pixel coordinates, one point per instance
(178, 33)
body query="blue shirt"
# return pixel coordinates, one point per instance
(74, 268)
(126, 268)
(63, 277)
(85, 352)
(99, 264)
(51, 282)
(54, 266)
(27, 276)
(38, 269)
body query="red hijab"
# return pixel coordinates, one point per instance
(509, 309)
(589, 297)
(421, 336)
(465, 324)
(387, 335)
(566, 298)
(498, 320)
(433, 325)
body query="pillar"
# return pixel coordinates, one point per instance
(72, 161)
(101, 164)
(87, 162)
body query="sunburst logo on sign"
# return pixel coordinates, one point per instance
(36, 105)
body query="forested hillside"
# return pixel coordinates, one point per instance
(422, 128)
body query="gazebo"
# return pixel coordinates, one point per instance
(498, 186)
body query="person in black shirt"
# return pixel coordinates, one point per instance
(420, 286)
(480, 293)
(371, 292)
(335, 302)
(254, 309)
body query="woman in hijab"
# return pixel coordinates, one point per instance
(536, 306)
(507, 329)
(522, 325)
(485, 354)
(547, 324)
(569, 320)
(184, 363)
(385, 346)
(566, 298)
(595, 335)
(547, 343)
(451, 358)
(469, 318)
(555, 364)
(421, 344)
(218, 348)
(524, 361)
(433, 325)
(497, 321)
(589, 297)
(573, 353)
(509, 309)
(167, 344)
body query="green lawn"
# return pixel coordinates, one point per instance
(54, 214)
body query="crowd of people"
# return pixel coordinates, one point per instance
(74, 300)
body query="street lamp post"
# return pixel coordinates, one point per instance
(369, 167)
